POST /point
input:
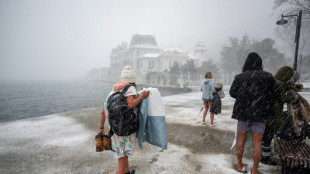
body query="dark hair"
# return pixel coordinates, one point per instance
(133, 84)
(209, 75)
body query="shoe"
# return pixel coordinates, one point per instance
(269, 161)
(132, 172)
(212, 125)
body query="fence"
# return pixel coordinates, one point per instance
(181, 79)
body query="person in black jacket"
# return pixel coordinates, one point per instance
(254, 91)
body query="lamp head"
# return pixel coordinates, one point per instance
(281, 21)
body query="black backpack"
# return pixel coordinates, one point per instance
(123, 121)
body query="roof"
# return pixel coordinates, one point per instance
(149, 55)
(146, 40)
(200, 46)
(175, 51)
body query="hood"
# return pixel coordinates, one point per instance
(206, 81)
(284, 74)
(253, 62)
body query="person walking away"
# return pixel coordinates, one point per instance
(216, 106)
(207, 88)
(123, 146)
(275, 124)
(254, 91)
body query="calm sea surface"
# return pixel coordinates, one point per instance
(25, 99)
(20, 100)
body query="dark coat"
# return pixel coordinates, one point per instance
(254, 91)
(282, 77)
(216, 106)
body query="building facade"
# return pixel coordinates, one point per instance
(144, 56)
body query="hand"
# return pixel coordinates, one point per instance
(298, 87)
(101, 132)
(144, 94)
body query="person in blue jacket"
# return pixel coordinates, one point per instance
(207, 88)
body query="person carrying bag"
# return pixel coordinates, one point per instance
(120, 109)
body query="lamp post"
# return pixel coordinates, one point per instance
(283, 21)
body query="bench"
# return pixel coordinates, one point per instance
(294, 155)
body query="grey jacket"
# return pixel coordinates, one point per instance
(207, 88)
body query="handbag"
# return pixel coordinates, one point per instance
(99, 143)
(106, 142)
(103, 142)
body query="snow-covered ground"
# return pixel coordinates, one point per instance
(64, 143)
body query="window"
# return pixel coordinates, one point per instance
(151, 64)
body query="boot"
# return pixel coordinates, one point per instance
(268, 161)
(132, 172)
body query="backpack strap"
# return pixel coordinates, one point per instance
(125, 89)
(110, 134)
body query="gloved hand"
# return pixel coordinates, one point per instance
(298, 87)
(294, 94)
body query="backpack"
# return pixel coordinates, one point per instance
(123, 121)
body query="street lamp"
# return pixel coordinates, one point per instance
(283, 21)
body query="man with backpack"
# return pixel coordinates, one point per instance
(121, 111)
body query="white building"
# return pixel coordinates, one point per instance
(200, 51)
(144, 56)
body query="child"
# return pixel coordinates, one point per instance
(216, 105)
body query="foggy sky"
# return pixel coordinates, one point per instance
(62, 39)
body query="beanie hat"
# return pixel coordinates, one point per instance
(127, 75)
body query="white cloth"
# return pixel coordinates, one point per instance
(152, 120)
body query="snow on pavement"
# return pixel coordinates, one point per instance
(64, 143)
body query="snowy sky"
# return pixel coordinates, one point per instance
(52, 39)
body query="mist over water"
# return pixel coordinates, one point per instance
(26, 99)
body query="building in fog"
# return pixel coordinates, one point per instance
(144, 56)
(200, 51)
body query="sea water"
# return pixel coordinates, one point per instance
(25, 99)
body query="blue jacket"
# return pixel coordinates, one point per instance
(207, 88)
(152, 127)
